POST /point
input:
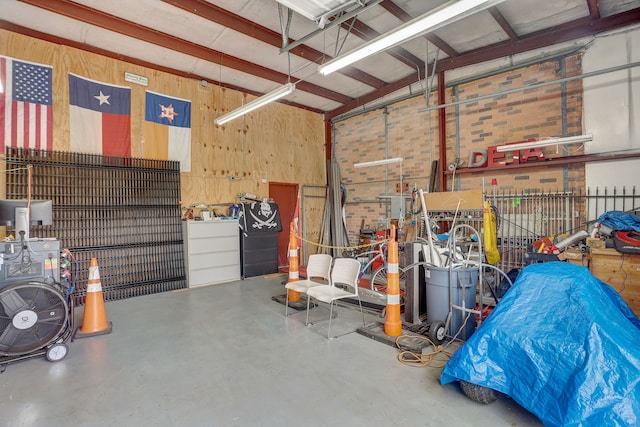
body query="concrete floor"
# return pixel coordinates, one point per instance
(225, 355)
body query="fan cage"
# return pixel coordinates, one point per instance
(43, 300)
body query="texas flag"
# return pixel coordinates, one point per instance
(100, 117)
(26, 115)
(167, 129)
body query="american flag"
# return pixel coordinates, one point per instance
(26, 115)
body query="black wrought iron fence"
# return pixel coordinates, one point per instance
(123, 211)
(524, 217)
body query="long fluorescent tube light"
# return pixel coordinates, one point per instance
(544, 143)
(378, 162)
(256, 103)
(432, 20)
(314, 9)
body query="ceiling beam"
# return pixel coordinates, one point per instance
(363, 100)
(109, 22)
(594, 9)
(570, 31)
(403, 16)
(367, 33)
(5, 25)
(242, 25)
(504, 24)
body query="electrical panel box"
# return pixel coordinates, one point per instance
(396, 207)
(35, 259)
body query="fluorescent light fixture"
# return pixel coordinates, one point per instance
(430, 21)
(378, 162)
(265, 99)
(315, 9)
(544, 143)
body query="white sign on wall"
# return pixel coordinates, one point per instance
(134, 78)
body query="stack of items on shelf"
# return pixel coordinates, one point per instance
(622, 229)
(561, 248)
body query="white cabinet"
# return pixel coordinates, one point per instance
(212, 251)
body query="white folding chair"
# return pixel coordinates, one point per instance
(345, 272)
(318, 267)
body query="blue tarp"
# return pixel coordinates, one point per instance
(618, 220)
(562, 344)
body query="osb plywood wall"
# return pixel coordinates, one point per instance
(277, 143)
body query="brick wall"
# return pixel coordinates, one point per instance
(413, 135)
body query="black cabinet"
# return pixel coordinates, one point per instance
(259, 254)
(259, 228)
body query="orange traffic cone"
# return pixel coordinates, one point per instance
(392, 323)
(294, 274)
(94, 320)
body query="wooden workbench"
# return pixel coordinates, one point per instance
(621, 271)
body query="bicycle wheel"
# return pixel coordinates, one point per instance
(379, 279)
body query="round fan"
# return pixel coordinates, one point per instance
(32, 315)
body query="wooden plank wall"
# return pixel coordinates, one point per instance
(622, 271)
(277, 143)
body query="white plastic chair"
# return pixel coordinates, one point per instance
(318, 267)
(345, 272)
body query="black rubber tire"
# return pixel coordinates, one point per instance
(57, 352)
(478, 393)
(436, 332)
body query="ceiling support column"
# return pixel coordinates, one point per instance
(442, 133)
(329, 130)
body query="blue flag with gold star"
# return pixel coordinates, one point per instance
(167, 129)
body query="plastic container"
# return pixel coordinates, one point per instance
(463, 285)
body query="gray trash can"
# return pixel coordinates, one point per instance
(463, 281)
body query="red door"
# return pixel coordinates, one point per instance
(285, 195)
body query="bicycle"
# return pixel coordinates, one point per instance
(375, 291)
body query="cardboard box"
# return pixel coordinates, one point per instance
(452, 200)
(595, 243)
(574, 256)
